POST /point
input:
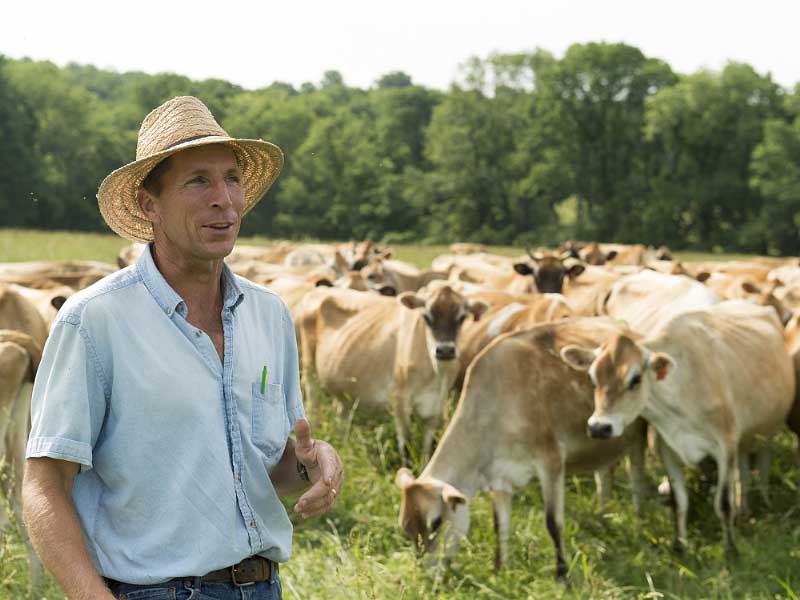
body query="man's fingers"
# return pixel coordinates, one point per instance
(320, 497)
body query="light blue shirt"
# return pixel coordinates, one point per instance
(175, 448)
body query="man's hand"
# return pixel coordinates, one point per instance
(324, 469)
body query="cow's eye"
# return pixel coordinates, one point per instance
(428, 319)
(635, 381)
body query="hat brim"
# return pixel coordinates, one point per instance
(261, 163)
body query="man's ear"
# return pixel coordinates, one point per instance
(662, 364)
(453, 497)
(578, 358)
(147, 205)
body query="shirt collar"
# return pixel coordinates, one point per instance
(168, 299)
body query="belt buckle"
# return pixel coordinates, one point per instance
(236, 583)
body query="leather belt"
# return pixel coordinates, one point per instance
(249, 571)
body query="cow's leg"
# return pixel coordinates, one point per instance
(763, 461)
(429, 429)
(603, 480)
(742, 485)
(635, 467)
(724, 501)
(402, 421)
(501, 502)
(678, 494)
(552, 480)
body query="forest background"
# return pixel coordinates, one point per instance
(602, 143)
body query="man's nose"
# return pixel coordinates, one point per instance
(221, 195)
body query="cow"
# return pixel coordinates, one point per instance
(402, 276)
(386, 353)
(549, 270)
(47, 301)
(792, 336)
(19, 359)
(73, 273)
(522, 413)
(713, 382)
(18, 313)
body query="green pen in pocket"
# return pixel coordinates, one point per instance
(264, 380)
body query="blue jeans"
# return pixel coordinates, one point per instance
(186, 589)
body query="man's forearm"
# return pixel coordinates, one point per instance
(56, 535)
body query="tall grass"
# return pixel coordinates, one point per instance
(358, 551)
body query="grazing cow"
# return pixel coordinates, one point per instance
(386, 353)
(714, 382)
(402, 276)
(522, 413)
(548, 271)
(593, 255)
(19, 359)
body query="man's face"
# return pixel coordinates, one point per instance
(198, 212)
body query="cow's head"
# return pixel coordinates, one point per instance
(433, 513)
(622, 372)
(593, 255)
(767, 297)
(444, 311)
(549, 270)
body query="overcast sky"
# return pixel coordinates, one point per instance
(256, 43)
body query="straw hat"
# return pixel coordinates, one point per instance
(183, 122)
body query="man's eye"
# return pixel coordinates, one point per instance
(234, 179)
(196, 180)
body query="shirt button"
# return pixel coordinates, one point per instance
(198, 333)
(238, 477)
(168, 311)
(253, 524)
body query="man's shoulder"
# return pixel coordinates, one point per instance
(98, 295)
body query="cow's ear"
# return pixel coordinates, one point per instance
(404, 478)
(387, 290)
(410, 300)
(750, 287)
(323, 282)
(577, 357)
(662, 364)
(611, 255)
(453, 497)
(523, 268)
(703, 277)
(575, 270)
(57, 301)
(478, 308)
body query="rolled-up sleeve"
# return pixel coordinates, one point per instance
(69, 397)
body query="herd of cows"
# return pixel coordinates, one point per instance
(565, 360)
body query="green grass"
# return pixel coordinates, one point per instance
(358, 551)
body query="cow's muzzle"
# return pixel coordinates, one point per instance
(600, 431)
(445, 351)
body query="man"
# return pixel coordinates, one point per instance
(167, 391)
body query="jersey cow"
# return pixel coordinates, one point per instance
(714, 382)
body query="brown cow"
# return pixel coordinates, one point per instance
(522, 413)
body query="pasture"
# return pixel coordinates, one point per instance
(359, 550)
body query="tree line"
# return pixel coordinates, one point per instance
(602, 143)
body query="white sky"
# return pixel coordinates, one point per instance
(254, 43)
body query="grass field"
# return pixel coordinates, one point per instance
(359, 551)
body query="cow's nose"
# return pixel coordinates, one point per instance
(447, 352)
(600, 430)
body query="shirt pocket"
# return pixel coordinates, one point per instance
(270, 421)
